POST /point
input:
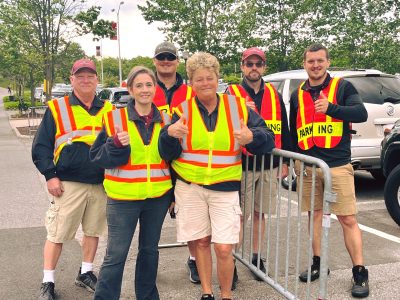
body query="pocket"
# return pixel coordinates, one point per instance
(237, 210)
(51, 219)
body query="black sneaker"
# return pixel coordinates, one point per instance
(207, 297)
(314, 273)
(234, 279)
(47, 291)
(262, 268)
(193, 273)
(87, 280)
(360, 287)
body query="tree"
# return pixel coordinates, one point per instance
(45, 28)
(220, 27)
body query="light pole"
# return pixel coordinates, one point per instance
(185, 56)
(119, 44)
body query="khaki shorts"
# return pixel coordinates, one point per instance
(342, 185)
(246, 194)
(201, 212)
(81, 203)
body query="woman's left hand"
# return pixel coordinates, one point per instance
(244, 136)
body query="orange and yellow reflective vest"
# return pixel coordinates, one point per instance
(74, 123)
(182, 93)
(270, 108)
(315, 128)
(146, 175)
(211, 157)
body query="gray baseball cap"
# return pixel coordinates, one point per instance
(165, 47)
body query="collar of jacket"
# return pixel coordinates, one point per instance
(133, 115)
(248, 88)
(73, 100)
(178, 83)
(307, 87)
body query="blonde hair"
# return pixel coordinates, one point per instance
(139, 70)
(202, 60)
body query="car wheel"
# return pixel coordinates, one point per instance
(378, 175)
(392, 194)
(285, 181)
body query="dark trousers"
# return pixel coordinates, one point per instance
(122, 218)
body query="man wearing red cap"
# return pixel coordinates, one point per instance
(60, 152)
(264, 99)
(170, 92)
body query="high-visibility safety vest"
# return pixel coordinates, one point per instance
(146, 175)
(270, 108)
(211, 157)
(315, 128)
(74, 123)
(182, 93)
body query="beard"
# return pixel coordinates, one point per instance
(253, 78)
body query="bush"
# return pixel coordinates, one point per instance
(14, 105)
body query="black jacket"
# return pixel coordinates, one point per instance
(349, 108)
(74, 163)
(263, 141)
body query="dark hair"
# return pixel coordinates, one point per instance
(315, 48)
(139, 70)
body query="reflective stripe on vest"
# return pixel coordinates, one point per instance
(314, 128)
(182, 93)
(145, 175)
(74, 123)
(211, 157)
(270, 108)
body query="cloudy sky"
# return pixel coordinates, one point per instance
(136, 36)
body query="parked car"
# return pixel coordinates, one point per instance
(381, 96)
(390, 158)
(114, 95)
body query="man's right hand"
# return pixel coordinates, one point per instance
(55, 187)
(179, 129)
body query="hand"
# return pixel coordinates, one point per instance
(250, 103)
(244, 135)
(122, 136)
(284, 171)
(179, 129)
(321, 104)
(171, 210)
(55, 187)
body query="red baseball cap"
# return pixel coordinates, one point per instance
(253, 51)
(83, 63)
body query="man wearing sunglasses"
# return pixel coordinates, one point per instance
(264, 99)
(170, 92)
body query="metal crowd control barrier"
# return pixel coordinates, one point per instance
(287, 242)
(35, 115)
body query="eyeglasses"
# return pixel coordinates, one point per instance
(166, 56)
(250, 64)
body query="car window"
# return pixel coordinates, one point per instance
(376, 89)
(278, 84)
(117, 95)
(294, 84)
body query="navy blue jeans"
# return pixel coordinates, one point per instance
(122, 218)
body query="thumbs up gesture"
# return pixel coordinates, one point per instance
(321, 104)
(179, 128)
(244, 135)
(122, 136)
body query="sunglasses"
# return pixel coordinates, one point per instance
(166, 56)
(250, 64)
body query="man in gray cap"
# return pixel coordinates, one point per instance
(170, 92)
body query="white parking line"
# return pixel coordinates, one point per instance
(365, 228)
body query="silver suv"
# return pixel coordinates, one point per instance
(381, 96)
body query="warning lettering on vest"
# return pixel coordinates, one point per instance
(324, 129)
(275, 127)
